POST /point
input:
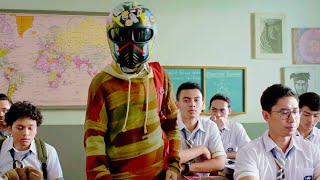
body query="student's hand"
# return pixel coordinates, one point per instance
(219, 122)
(170, 175)
(206, 153)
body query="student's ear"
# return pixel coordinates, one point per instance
(229, 110)
(266, 115)
(177, 104)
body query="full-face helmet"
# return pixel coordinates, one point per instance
(130, 32)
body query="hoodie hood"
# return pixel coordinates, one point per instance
(144, 75)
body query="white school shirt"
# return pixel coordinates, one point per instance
(207, 134)
(256, 159)
(313, 137)
(53, 164)
(233, 136)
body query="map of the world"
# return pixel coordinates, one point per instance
(50, 59)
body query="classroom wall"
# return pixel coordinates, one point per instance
(202, 33)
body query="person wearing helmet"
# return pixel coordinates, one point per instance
(123, 131)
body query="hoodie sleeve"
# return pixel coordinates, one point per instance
(170, 126)
(95, 127)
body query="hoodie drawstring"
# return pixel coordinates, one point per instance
(128, 104)
(147, 107)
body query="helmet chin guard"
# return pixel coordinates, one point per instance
(130, 35)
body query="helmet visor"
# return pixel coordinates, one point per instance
(138, 35)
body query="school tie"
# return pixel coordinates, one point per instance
(280, 174)
(280, 163)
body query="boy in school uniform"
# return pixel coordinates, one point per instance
(202, 151)
(309, 104)
(5, 104)
(19, 150)
(233, 135)
(278, 153)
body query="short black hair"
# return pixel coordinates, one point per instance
(188, 85)
(272, 94)
(220, 97)
(4, 97)
(23, 109)
(311, 100)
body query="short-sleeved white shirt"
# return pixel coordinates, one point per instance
(207, 134)
(313, 137)
(256, 159)
(53, 164)
(233, 136)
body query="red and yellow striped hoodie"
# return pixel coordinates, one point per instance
(123, 132)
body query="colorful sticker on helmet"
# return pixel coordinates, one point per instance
(118, 10)
(133, 18)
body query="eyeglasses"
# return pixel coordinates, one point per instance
(308, 114)
(286, 113)
(138, 35)
(216, 110)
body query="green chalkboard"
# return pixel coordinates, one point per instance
(230, 81)
(185, 74)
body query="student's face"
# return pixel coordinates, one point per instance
(301, 86)
(190, 103)
(23, 132)
(281, 125)
(219, 110)
(308, 119)
(4, 107)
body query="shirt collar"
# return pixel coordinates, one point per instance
(182, 126)
(310, 136)
(269, 144)
(33, 147)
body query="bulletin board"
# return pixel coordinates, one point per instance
(230, 81)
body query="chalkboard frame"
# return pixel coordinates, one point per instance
(203, 83)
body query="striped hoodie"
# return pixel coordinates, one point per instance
(123, 132)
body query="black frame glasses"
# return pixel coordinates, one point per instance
(286, 113)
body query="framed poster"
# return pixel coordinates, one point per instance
(306, 45)
(49, 58)
(269, 36)
(300, 79)
(230, 81)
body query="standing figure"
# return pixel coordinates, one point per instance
(123, 128)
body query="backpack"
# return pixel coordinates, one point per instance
(42, 154)
(159, 84)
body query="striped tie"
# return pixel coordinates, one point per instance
(280, 162)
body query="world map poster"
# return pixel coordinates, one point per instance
(50, 59)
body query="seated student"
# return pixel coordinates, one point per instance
(278, 154)
(19, 150)
(309, 104)
(233, 135)
(5, 104)
(202, 150)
